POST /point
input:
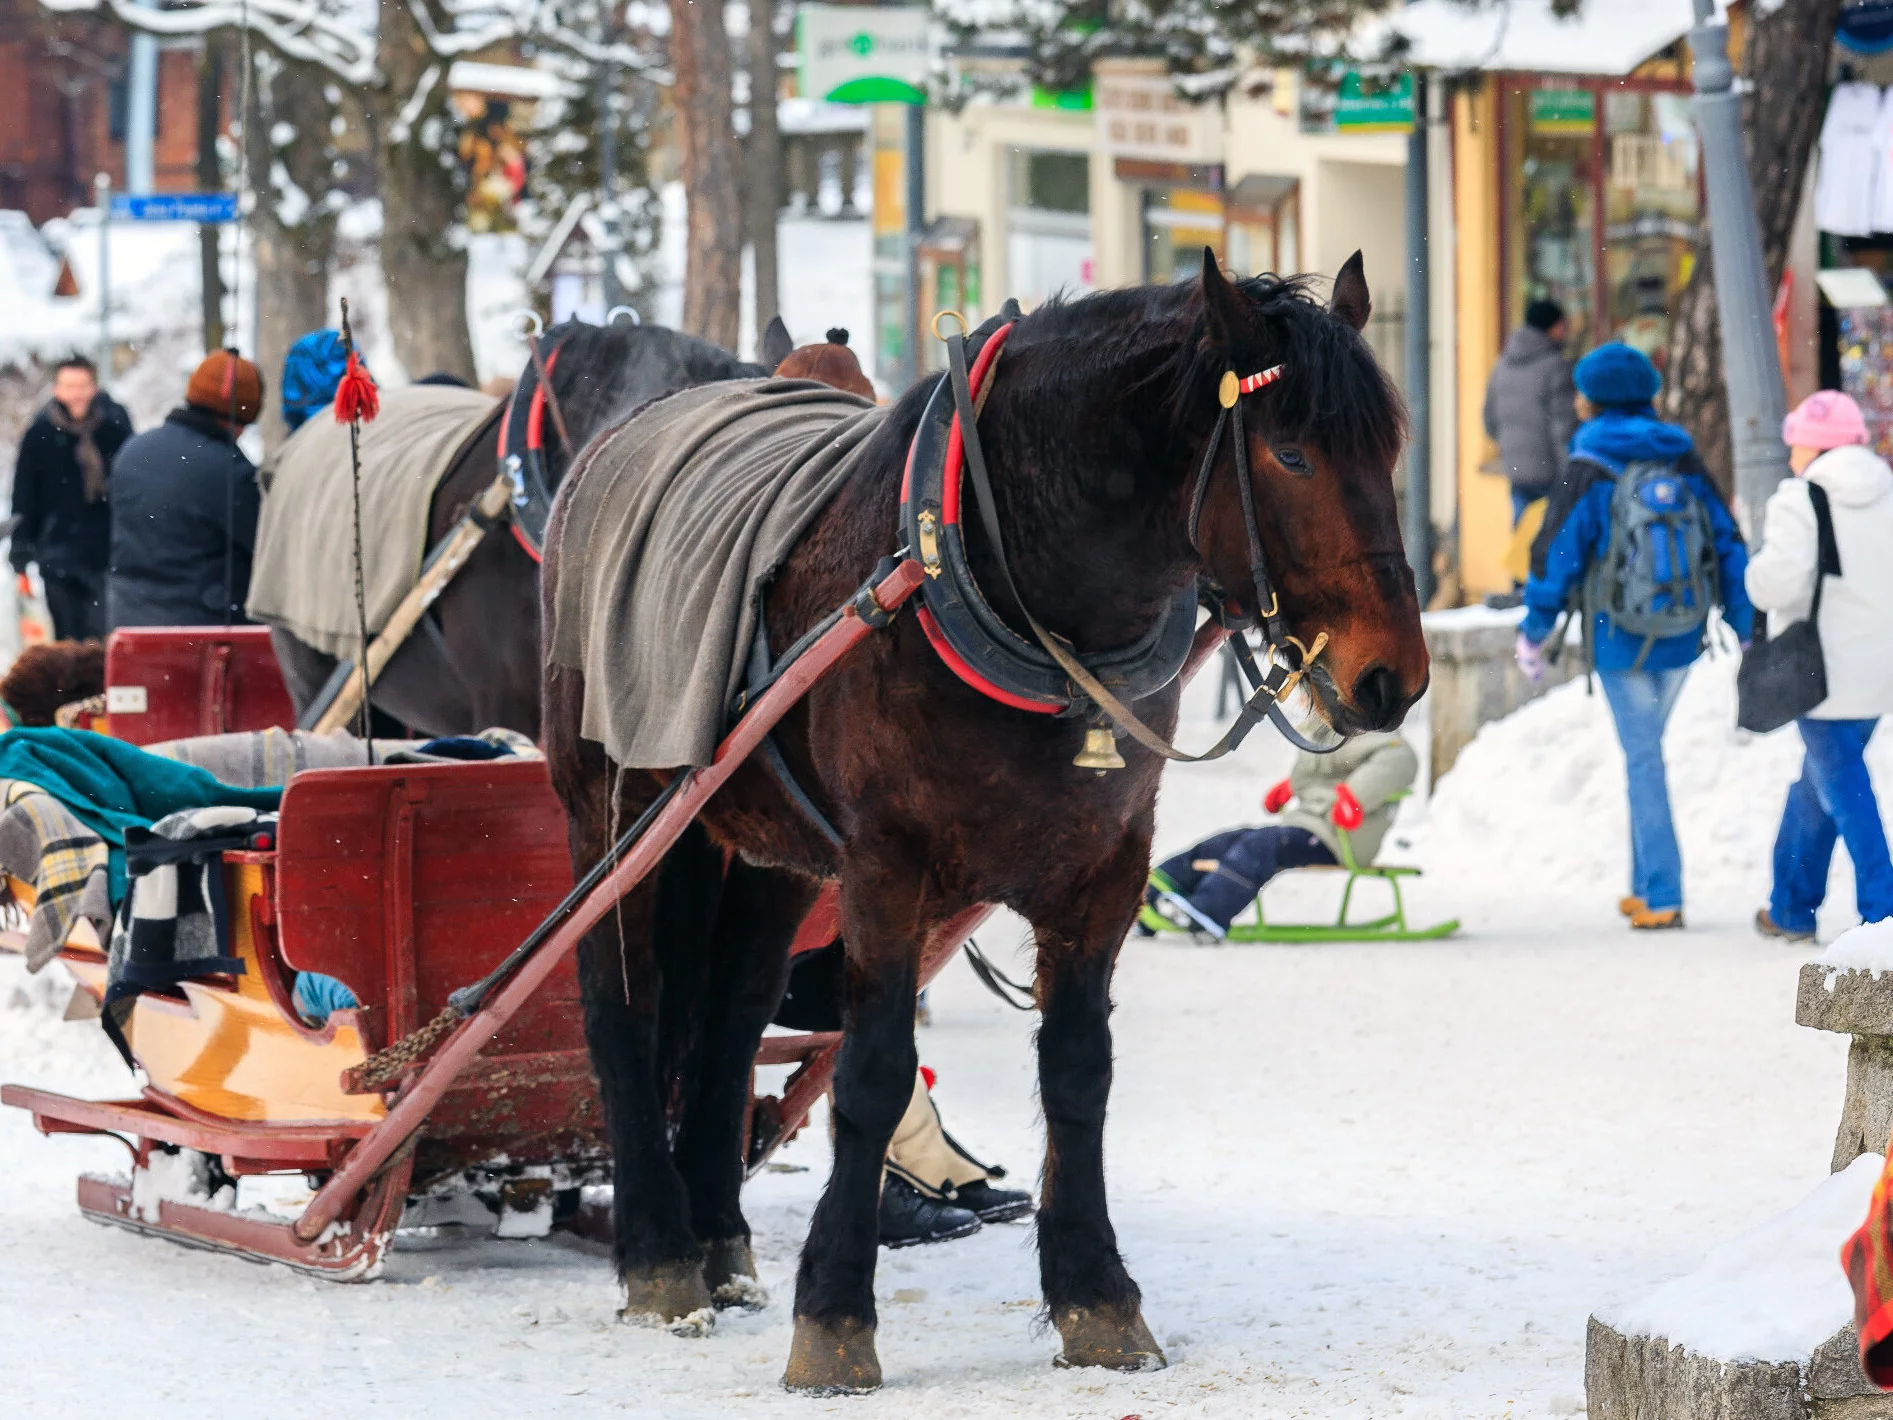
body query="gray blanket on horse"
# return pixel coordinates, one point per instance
(304, 577)
(670, 528)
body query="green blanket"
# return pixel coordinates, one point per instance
(111, 786)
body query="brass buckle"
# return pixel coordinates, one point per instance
(938, 316)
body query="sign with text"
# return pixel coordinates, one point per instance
(863, 54)
(206, 207)
(1374, 103)
(1143, 116)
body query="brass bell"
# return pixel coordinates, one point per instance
(1100, 751)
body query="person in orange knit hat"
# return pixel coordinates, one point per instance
(185, 503)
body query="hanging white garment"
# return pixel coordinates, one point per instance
(1852, 161)
(1883, 165)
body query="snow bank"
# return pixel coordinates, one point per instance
(1539, 797)
(1772, 1294)
(1868, 947)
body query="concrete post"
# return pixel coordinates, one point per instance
(141, 108)
(1751, 365)
(916, 233)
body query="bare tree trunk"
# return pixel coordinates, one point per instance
(706, 131)
(1785, 64)
(420, 203)
(762, 182)
(210, 179)
(292, 230)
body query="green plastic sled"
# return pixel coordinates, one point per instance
(1389, 928)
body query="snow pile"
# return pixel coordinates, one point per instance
(1539, 798)
(36, 1041)
(1775, 1292)
(1868, 947)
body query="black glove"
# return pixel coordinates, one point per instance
(20, 554)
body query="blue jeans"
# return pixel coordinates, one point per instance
(1640, 703)
(1832, 799)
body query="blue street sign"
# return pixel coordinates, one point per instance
(174, 207)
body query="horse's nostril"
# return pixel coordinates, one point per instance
(1378, 697)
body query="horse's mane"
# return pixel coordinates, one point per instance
(1332, 392)
(605, 373)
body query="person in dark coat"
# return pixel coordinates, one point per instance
(1528, 405)
(186, 503)
(61, 497)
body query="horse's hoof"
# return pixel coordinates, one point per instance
(832, 1358)
(1110, 1337)
(671, 1295)
(729, 1271)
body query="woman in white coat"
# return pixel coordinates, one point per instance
(1827, 446)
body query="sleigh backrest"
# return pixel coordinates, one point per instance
(171, 682)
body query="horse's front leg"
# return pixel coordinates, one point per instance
(883, 924)
(1079, 924)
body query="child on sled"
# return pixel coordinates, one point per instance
(1355, 790)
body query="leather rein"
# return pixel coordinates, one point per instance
(966, 642)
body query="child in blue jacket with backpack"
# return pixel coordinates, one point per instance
(1637, 538)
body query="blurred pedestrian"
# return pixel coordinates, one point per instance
(186, 505)
(1833, 798)
(1638, 544)
(311, 371)
(61, 495)
(1528, 405)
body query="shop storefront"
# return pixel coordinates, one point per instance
(1602, 200)
(1048, 223)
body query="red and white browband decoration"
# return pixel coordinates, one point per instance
(1234, 386)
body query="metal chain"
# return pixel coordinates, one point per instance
(386, 1066)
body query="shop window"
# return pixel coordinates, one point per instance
(1048, 224)
(1264, 232)
(1179, 222)
(1603, 203)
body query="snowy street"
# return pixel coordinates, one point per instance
(1385, 1180)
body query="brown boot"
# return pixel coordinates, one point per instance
(1663, 920)
(1631, 906)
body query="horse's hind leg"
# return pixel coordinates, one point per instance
(833, 1350)
(1080, 922)
(756, 920)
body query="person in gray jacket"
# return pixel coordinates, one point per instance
(1530, 405)
(1353, 791)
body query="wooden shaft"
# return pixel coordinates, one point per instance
(410, 1111)
(454, 552)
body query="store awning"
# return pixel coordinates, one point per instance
(1604, 37)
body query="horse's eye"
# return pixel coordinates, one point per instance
(1293, 460)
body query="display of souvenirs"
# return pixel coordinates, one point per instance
(1866, 368)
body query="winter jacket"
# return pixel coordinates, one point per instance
(58, 529)
(1529, 409)
(1856, 635)
(1576, 533)
(179, 492)
(1378, 770)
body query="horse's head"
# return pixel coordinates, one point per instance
(1322, 440)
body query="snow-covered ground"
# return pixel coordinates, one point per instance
(1386, 1180)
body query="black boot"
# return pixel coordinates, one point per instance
(909, 1217)
(992, 1205)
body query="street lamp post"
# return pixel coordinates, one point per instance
(1751, 365)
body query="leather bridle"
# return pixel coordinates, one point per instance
(949, 580)
(522, 446)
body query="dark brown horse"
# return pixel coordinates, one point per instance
(473, 663)
(1098, 418)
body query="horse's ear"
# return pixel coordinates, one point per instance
(1223, 305)
(1350, 301)
(776, 343)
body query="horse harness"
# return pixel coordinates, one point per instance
(1052, 677)
(522, 445)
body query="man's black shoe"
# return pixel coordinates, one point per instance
(993, 1205)
(909, 1217)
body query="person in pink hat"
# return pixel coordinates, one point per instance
(1828, 450)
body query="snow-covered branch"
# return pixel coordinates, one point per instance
(299, 29)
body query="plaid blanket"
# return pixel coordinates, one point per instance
(1867, 1258)
(44, 845)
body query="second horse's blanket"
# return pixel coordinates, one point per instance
(668, 531)
(304, 577)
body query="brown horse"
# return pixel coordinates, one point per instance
(1098, 418)
(473, 663)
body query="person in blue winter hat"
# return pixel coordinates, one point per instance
(1638, 545)
(311, 371)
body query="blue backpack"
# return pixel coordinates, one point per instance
(1659, 576)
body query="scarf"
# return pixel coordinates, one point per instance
(1624, 434)
(83, 432)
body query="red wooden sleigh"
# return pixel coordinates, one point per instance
(406, 883)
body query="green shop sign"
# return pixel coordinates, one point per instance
(863, 54)
(1563, 111)
(1374, 103)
